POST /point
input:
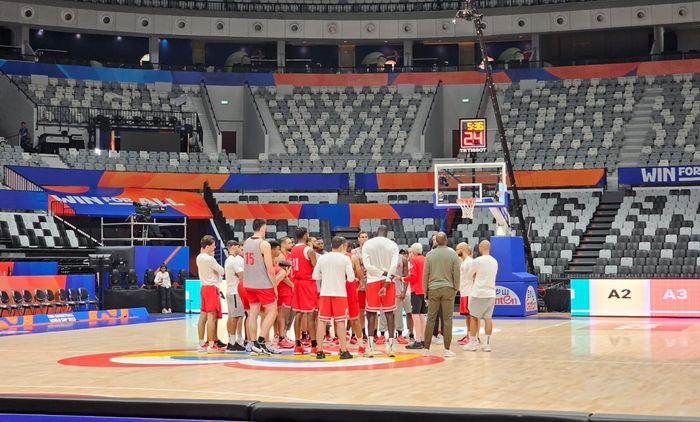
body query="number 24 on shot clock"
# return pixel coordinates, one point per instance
(472, 135)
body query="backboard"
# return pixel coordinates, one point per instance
(486, 182)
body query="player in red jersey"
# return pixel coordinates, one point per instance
(284, 294)
(305, 299)
(286, 245)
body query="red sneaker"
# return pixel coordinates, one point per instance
(361, 350)
(299, 350)
(286, 344)
(305, 342)
(314, 350)
(336, 341)
(328, 339)
(380, 340)
(216, 348)
(463, 341)
(353, 340)
(401, 340)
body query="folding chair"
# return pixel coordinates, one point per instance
(40, 298)
(75, 297)
(63, 297)
(5, 304)
(51, 298)
(84, 297)
(29, 300)
(19, 301)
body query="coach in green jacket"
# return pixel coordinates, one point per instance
(441, 279)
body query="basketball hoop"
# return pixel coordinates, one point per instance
(467, 205)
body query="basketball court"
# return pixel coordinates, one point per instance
(548, 362)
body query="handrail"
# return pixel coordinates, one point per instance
(366, 69)
(484, 96)
(67, 223)
(257, 109)
(122, 117)
(430, 110)
(304, 7)
(204, 92)
(12, 81)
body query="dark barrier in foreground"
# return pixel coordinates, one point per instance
(278, 412)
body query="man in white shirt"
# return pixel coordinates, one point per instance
(210, 276)
(234, 273)
(482, 297)
(465, 253)
(380, 257)
(333, 270)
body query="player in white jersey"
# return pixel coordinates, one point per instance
(482, 299)
(210, 275)
(333, 270)
(380, 257)
(234, 272)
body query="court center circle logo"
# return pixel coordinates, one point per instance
(286, 361)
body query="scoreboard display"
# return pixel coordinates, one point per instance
(472, 134)
(636, 297)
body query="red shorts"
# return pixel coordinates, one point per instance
(464, 305)
(284, 300)
(262, 296)
(362, 299)
(243, 294)
(333, 307)
(353, 301)
(305, 297)
(375, 302)
(210, 301)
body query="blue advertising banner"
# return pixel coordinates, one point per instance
(666, 176)
(23, 200)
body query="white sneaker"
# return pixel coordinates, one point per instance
(472, 346)
(202, 348)
(164, 311)
(449, 354)
(486, 347)
(438, 340)
(426, 352)
(390, 348)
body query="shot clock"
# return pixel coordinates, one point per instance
(472, 135)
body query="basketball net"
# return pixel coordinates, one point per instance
(467, 205)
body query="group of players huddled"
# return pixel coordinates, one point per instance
(272, 285)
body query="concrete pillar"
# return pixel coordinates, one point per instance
(281, 53)
(466, 54)
(346, 56)
(536, 46)
(408, 53)
(154, 50)
(198, 52)
(658, 46)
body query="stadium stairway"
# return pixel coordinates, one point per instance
(637, 128)
(593, 239)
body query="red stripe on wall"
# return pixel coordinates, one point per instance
(371, 211)
(350, 79)
(593, 71)
(526, 179)
(268, 211)
(668, 67)
(189, 181)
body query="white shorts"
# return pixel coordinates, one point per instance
(481, 307)
(235, 306)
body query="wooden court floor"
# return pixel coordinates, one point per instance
(608, 365)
